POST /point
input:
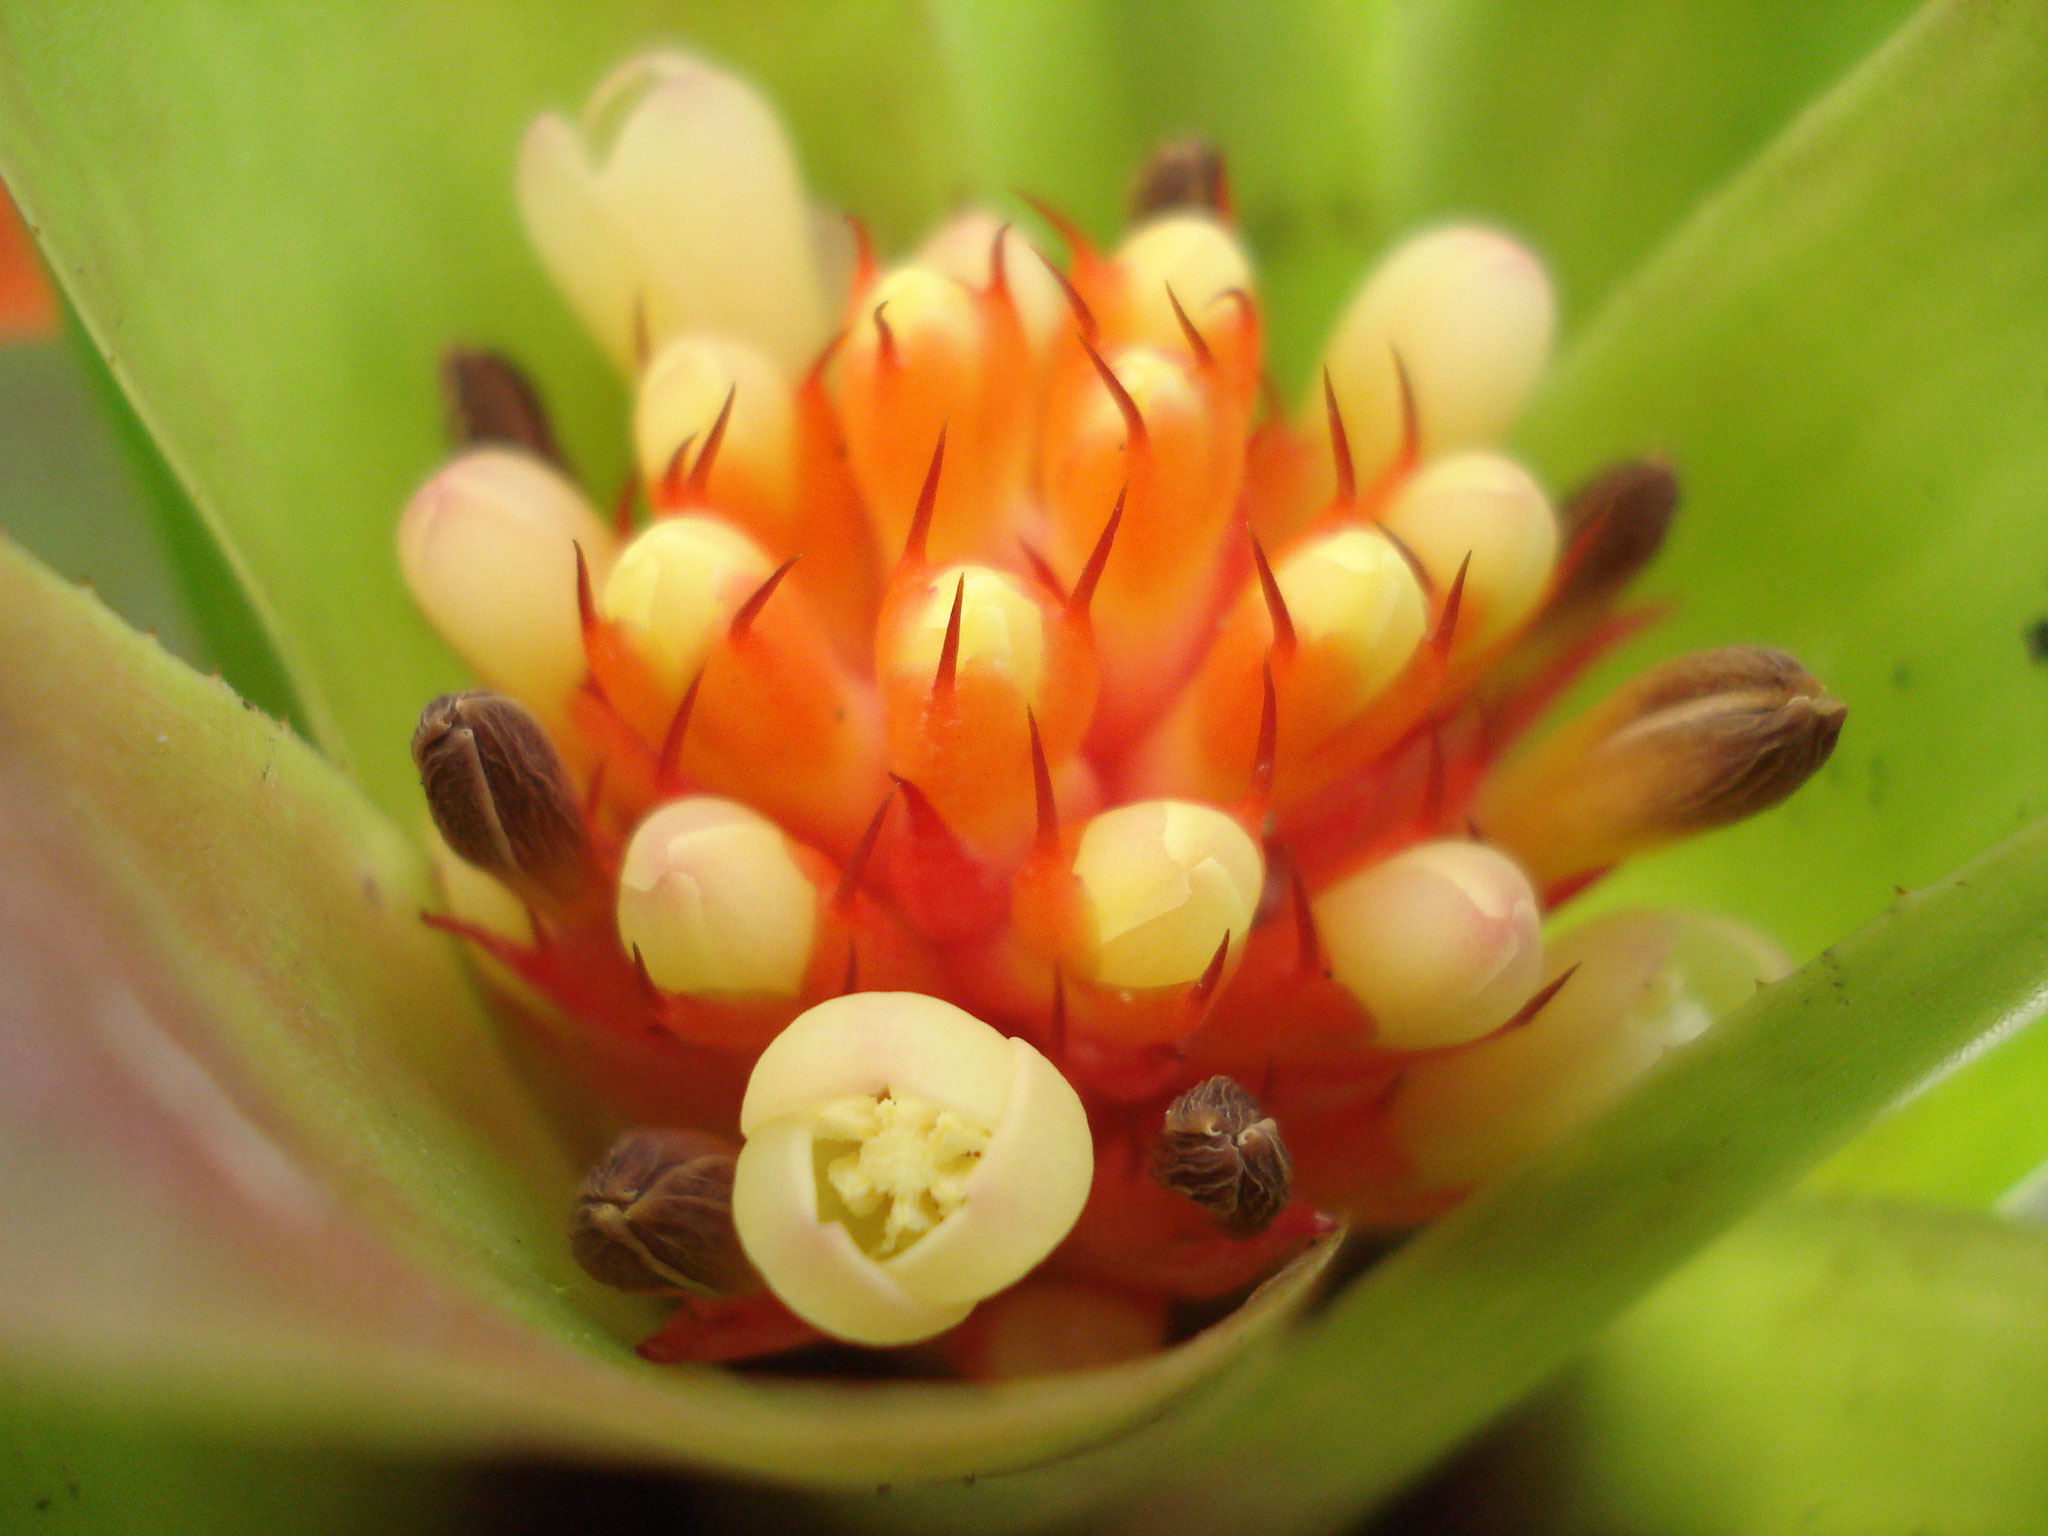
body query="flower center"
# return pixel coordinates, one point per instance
(892, 1166)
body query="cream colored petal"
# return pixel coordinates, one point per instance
(1001, 627)
(676, 586)
(488, 549)
(1440, 943)
(713, 898)
(1485, 506)
(814, 1266)
(1192, 255)
(681, 394)
(1354, 590)
(1024, 1196)
(1471, 314)
(1164, 881)
(873, 1042)
(963, 249)
(702, 176)
(583, 246)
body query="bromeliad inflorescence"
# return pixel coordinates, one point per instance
(1025, 826)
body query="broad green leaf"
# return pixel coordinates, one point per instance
(1064, 101)
(272, 221)
(1589, 128)
(221, 611)
(1835, 352)
(1452, 1329)
(67, 1472)
(67, 497)
(1829, 1369)
(277, 1166)
(1592, 129)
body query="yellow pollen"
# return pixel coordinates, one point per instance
(907, 1170)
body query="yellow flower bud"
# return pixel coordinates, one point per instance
(677, 586)
(1356, 593)
(1487, 507)
(1191, 254)
(1164, 882)
(1470, 314)
(488, 547)
(1440, 943)
(681, 396)
(714, 900)
(676, 206)
(903, 1160)
(1644, 983)
(1002, 628)
(963, 249)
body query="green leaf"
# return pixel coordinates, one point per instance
(1593, 129)
(220, 608)
(65, 1471)
(278, 1167)
(67, 497)
(1456, 1326)
(1828, 1369)
(1589, 129)
(1842, 352)
(271, 223)
(1065, 100)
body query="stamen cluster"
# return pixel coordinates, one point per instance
(989, 634)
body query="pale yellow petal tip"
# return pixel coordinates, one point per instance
(1481, 508)
(1165, 883)
(963, 248)
(675, 588)
(684, 393)
(1183, 257)
(903, 1161)
(1471, 316)
(1440, 944)
(1001, 629)
(1356, 593)
(712, 898)
(488, 549)
(676, 205)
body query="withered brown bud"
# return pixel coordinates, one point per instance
(1696, 742)
(500, 795)
(1181, 174)
(656, 1215)
(489, 400)
(1219, 1151)
(1613, 527)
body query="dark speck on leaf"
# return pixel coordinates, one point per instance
(1902, 674)
(2037, 640)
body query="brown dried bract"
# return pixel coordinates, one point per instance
(490, 400)
(656, 1215)
(1614, 525)
(500, 795)
(1180, 175)
(1696, 742)
(1217, 1149)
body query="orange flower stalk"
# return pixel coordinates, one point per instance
(1048, 809)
